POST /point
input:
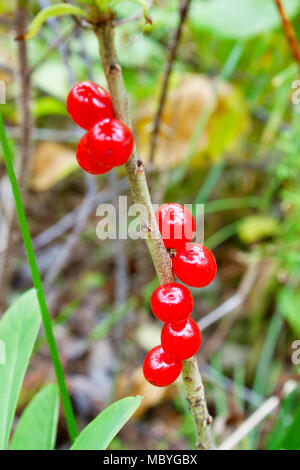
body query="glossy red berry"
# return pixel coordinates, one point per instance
(86, 162)
(195, 265)
(172, 302)
(181, 340)
(110, 142)
(88, 103)
(159, 369)
(176, 224)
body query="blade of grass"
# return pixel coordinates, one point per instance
(232, 203)
(37, 282)
(220, 395)
(209, 183)
(102, 329)
(222, 235)
(261, 382)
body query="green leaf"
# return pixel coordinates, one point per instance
(239, 18)
(46, 79)
(47, 105)
(7, 6)
(36, 429)
(285, 433)
(289, 301)
(18, 331)
(143, 3)
(59, 9)
(87, 2)
(99, 433)
(257, 227)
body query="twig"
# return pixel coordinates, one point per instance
(183, 9)
(44, 134)
(63, 47)
(68, 247)
(195, 396)
(120, 259)
(289, 32)
(69, 220)
(61, 39)
(233, 302)
(136, 174)
(259, 415)
(6, 267)
(86, 59)
(135, 168)
(214, 376)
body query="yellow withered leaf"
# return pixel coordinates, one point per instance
(51, 163)
(198, 109)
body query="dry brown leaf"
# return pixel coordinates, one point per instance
(192, 95)
(51, 163)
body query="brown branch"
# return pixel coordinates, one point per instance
(195, 396)
(136, 174)
(289, 32)
(23, 164)
(68, 248)
(183, 10)
(135, 168)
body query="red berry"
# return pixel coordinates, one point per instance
(110, 142)
(88, 103)
(181, 340)
(172, 302)
(176, 224)
(159, 369)
(86, 162)
(195, 265)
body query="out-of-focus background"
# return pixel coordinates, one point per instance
(228, 138)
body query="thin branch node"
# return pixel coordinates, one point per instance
(114, 68)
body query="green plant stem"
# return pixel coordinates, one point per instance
(37, 282)
(193, 386)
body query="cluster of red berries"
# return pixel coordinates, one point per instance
(108, 142)
(172, 303)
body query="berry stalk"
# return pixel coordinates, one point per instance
(193, 386)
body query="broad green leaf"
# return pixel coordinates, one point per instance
(239, 18)
(98, 434)
(59, 9)
(18, 330)
(36, 429)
